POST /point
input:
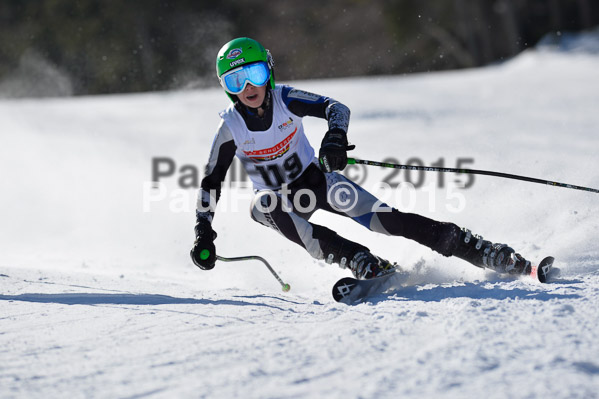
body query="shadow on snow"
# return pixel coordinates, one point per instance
(468, 290)
(122, 299)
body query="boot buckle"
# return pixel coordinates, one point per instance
(343, 263)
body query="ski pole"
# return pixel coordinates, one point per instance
(286, 287)
(353, 161)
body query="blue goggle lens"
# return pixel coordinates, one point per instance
(235, 81)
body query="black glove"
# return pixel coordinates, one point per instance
(203, 252)
(333, 150)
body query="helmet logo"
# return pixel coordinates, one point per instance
(237, 62)
(234, 53)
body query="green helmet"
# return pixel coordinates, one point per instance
(242, 51)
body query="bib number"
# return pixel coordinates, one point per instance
(273, 174)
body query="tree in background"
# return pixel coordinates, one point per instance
(61, 47)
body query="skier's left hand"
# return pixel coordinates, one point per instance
(333, 150)
(203, 252)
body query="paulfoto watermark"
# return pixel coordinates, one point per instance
(417, 176)
(343, 196)
(187, 175)
(159, 195)
(176, 187)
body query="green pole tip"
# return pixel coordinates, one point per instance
(205, 254)
(286, 287)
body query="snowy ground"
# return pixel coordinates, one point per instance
(99, 299)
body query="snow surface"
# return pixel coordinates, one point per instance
(99, 298)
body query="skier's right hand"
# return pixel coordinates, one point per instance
(203, 252)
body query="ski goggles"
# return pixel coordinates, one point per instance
(235, 80)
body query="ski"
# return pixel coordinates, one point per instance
(352, 291)
(543, 270)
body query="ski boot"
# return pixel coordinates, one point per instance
(365, 265)
(485, 254)
(358, 258)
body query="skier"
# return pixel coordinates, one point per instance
(263, 128)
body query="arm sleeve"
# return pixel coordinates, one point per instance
(221, 157)
(303, 103)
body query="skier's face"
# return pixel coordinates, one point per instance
(252, 96)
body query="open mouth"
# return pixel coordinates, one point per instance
(252, 97)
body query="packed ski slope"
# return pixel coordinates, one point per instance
(98, 297)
